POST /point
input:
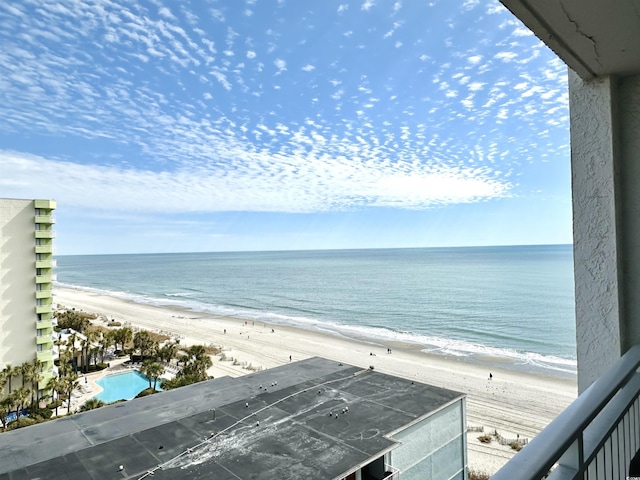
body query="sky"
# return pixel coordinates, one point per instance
(229, 125)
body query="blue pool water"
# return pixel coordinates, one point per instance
(123, 386)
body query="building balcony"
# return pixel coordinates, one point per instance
(46, 340)
(45, 219)
(45, 278)
(47, 263)
(45, 204)
(44, 324)
(595, 437)
(44, 293)
(45, 234)
(43, 308)
(49, 248)
(45, 355)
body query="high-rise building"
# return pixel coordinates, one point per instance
(26, 280)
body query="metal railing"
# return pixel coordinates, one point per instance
(392, 473)
(594, 438)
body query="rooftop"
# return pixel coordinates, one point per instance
(207, 430)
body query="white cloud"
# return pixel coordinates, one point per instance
(506, 56)
(308, 68)
(474, 59)
(222, 79)
(280, 64)
(258, 182)
(522, 32)
(166, 13)
(251, 54)
(367, 4)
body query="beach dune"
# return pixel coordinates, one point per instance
(513, 404)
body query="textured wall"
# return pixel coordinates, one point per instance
(605, 158)
(629, 217)
(596, 256)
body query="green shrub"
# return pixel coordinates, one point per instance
(517, 446)
(179, 381)
(146, 391)
(39, 414)
(92, 404)
(476, 475)
(21, 422)
(54, 405)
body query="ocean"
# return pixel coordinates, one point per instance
(508, 305)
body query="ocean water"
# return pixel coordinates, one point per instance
(511, 305)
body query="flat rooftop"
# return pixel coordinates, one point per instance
(207, 430)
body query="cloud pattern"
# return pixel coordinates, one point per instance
(284, 106)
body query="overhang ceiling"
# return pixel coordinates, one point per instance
(593, 37)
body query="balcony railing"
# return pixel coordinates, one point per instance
(45, 218)
(45, 234)
(392, 473)
(595, 437)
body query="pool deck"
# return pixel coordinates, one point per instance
(89, 387)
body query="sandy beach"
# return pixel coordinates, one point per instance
(514, 404)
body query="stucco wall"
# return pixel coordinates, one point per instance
(628, 94)
(605, 146)
(17, 282)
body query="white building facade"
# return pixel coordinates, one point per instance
(26, 279)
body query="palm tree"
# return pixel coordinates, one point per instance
(71, 348)
(84, 345)
(66, 365)
(168, 351)
(122, 336)
(56, 385)
(9, 372)
(3, 382)
(6, 407)
(87, 343)
(105, 343)
(31, 374)
(93, 355)
(59, 342)
(21, 396)
(70, 384)
(196, 363)
(152, 370)
(142, 341)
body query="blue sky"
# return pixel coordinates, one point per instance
(262, 124)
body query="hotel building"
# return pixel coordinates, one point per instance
(26, 276)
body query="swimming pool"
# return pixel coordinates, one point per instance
(123, 386)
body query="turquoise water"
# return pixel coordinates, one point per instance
(123, 386)
(515, 303)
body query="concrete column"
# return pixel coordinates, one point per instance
(628, 95)
(605, 159)
(595, 240)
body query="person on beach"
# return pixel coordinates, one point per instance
(490, 376)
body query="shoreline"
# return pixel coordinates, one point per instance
(512, 402)
(489, 357)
